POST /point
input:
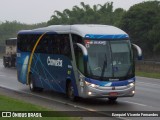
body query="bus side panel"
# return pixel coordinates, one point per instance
(51, 72)
(22, 66)
(39, 69)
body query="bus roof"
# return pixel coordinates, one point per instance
(84, 30)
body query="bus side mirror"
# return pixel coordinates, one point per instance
(139, 51)
(84, 50)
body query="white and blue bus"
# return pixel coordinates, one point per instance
(89, 61)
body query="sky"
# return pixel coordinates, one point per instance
(36, 11)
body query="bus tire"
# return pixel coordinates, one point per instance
(31, 83)
(112, 99)
(70, 91)
(32, 86)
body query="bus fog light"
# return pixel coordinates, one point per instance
(89, 93)
(133, 92)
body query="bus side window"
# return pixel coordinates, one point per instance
(42, 45)
(65, 46)
(23, 43)
(78, 52)
(50, 45)
(45, 44)
(77, 39)
(61, 45)
(79, 58)
(57, 45)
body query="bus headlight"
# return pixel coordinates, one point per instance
(91, 84)
(131, 84)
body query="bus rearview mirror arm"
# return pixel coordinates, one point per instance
(139, 51)
(84, 50)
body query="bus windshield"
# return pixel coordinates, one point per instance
(108, 59)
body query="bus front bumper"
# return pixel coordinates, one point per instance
(104, 92)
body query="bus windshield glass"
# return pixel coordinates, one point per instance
(108, 59)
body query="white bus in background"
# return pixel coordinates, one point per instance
(9, 59)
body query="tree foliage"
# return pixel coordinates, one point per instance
(85, 14)
(142, 23)
(10, 29)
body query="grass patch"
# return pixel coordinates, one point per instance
(10, 104)
(148, 74)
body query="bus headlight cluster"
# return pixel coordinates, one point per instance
(91, 84)
(131, 84)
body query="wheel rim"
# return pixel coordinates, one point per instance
(31, 85)
(71, 92)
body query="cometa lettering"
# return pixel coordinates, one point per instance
(53, 62)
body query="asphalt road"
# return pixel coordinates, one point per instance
(147, 95)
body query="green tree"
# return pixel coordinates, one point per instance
(117, 16)
(85, 14)
(141, 22)
(10, 29)
(154, 37)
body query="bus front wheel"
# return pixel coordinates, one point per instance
(70, 91)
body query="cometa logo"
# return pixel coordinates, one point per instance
(53, 62)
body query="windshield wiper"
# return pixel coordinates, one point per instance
(90, 70)
(129, 70)
(104, 67)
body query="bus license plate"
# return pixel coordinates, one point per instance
(113, 93)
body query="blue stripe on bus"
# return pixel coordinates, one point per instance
(116, 36)
(109, 83)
